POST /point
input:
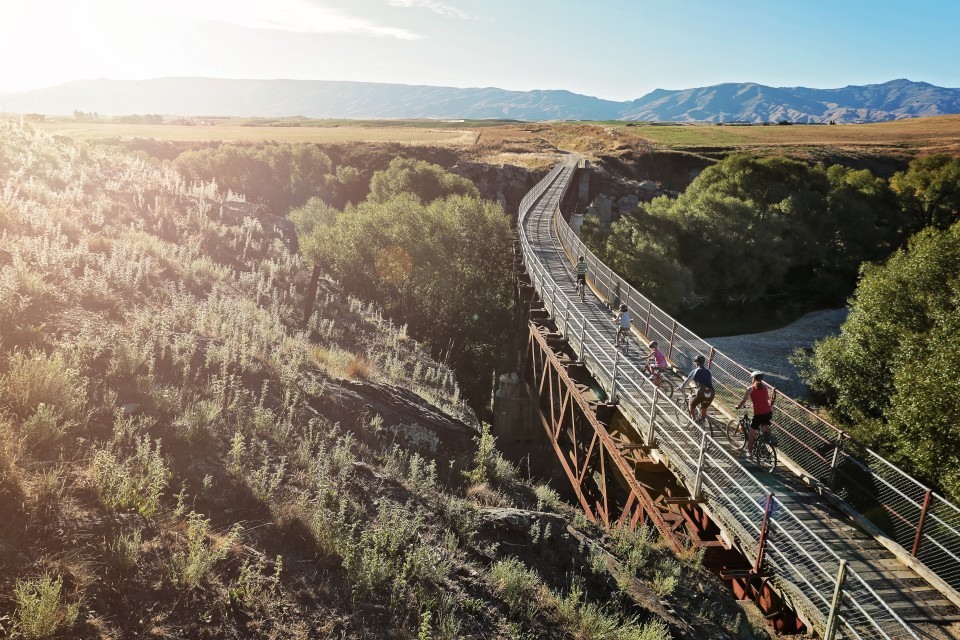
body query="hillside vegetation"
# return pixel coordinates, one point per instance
(180, 456)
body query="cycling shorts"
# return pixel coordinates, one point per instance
(582, 277)
(704, 397)
(764, 420)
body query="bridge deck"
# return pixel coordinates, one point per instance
(906, 592)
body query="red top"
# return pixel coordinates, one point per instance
(761, 400)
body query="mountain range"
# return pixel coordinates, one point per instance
(729, 102)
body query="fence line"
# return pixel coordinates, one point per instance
(923, 523)
(802, 565)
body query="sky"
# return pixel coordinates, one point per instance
(612, 49)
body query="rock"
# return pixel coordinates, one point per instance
(627, 203)
(603, 205)
(129, 409)
(406, 417)
(649, 186)
(576, 223)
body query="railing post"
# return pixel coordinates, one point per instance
(831, 631)
(616, 367)
(653, 417)
(646, 329)
(836, 458)
(710, 359)
(699, 480)
(923, 519)
(583, 328)
(764, 529)
(566, 316)
(673, 332)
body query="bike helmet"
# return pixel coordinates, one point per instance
(699, 360)
(652, 344)
(623, 307)
(757, 375)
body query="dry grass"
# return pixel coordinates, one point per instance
(931, 135)
(233, 133)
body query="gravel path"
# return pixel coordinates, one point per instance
(768, 351)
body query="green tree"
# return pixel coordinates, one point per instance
(746, 228)
(930, 190)
(892, 371)
(310, 221)
(644, 251)
(425, 180)
(441, 265)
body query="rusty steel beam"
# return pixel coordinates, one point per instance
(547, 364)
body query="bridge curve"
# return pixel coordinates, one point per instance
(774, 518)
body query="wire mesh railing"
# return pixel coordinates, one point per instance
(800, 562)
(923, 523)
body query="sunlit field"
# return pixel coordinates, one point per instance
(940, 133)
(242, 133)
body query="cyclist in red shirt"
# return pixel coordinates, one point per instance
(762, 408)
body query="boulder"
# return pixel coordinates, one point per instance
(627, 203)
(649, 186)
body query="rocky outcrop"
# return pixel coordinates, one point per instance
(404, 418)
(505, 184)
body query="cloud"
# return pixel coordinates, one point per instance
(293, 16)
(437, 7)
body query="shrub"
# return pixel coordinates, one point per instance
(190, 567)
(136, 482)
(35, 378)
(520, 587)
(41, 611)
(125, 551)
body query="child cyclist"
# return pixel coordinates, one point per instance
(659, 360)
(623, 325)
(762, 408)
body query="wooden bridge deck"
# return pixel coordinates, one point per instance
(930, 614)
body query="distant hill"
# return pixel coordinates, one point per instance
(746, 102)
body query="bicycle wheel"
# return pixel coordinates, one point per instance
(765, 454)
(665, 386)
(736, 435)
(716, 426)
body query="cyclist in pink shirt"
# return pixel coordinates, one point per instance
(659, 360)
(762, 408)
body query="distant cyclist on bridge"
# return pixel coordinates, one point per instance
(758, 394)
(581, 275)
(623, 325)
(704, 380)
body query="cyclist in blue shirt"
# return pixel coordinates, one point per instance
(704, 380)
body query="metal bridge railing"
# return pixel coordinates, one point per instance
(801, 564)
(923, 523)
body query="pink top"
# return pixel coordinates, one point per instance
(660, 358)
(761, 400)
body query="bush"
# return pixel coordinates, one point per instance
(34, 378)
(136, 482)
(519, 587)
(41, 611)
(191, 567)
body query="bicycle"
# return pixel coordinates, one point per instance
(621, 338)
(659, 380)
(708, 422)
(582, 289)
(765, 447)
